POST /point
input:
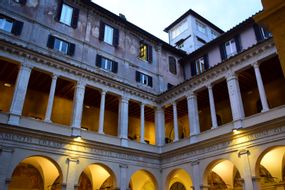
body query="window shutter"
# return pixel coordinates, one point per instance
(193, 68)
(141, 49)
(101, 31)
(99, 61)
(137, 76)
(71, 49)
(206, 61)
(58, 11)
(17, 28)
(258, 33)
(50, 42)
(115, 67)
(149, 53)
(116, 37)
(75, 16)
(223, 52)
(238, 43)
(22, 2)
(149, 81)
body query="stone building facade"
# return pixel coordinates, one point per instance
(90, 101)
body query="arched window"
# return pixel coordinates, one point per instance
(172, 65)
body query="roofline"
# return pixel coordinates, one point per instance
(133, 27)
(220, 39)
(191, 12)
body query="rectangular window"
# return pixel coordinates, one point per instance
(66, 14)
(213, 34)
(109, 34)
(143, 79)
(201, 27)
(183, 26)
(200, 65)
(145, 52)
(231, 48)
(106, 64)
(61, 45)
(10, 25)
(6, 24)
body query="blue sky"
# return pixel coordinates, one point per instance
(155, 15)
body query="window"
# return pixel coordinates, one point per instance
(67, 14)
(172, 65)
(213, 34)
(199, 65)
(261, 33)
(201, 27)
(10, 25)
(169, 86)
(143, 79)
(201, 40)
(230, 48)
(106, 64)
(109, 34)
(145, 52)
(60, 45)
(179, 29)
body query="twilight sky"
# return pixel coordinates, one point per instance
(155, 15)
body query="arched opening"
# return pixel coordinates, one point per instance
(179, 179)
(36, 172)
(223, 174)
(97, 176)
(142, 180)
(270, 169)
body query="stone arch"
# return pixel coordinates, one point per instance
(96, 176)
(179, 175)
(41, 172)
(142, 179)
(270, 167)
(222, 174)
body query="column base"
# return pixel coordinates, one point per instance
(193, 138)
(238, 124)
(14, 119)
(124, 142)
(76, 132)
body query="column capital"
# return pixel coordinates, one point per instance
(255, 64)
(231, 75)
(54, 76)
(103, 91)
(26, 65)
(73, 159)
(125, 99)
(209, 86)
(191, 94)
(195, 162)
(123, 166)
(174, 103)
(80, 84)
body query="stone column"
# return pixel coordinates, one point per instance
(142, 124)
(212, 107)
(102, 112)
(5, 158)
(235, 99)
(123, 120)
(20, 91)
(193, 115)
(196, 178)
(175, 122)
(123, 177)
(243, 154)
(159, 126)
(71, 182)
(77, 108)
(51, 98)
(260, 86)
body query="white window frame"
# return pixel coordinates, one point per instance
(201, 27)
(263, 33)
(144, 79)
(200, 65)
(231, 48)
(182, 27)
(66, 14)
(6, 24)
(106, 64)
(108, 34)
(214, 34)
(61, 47)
